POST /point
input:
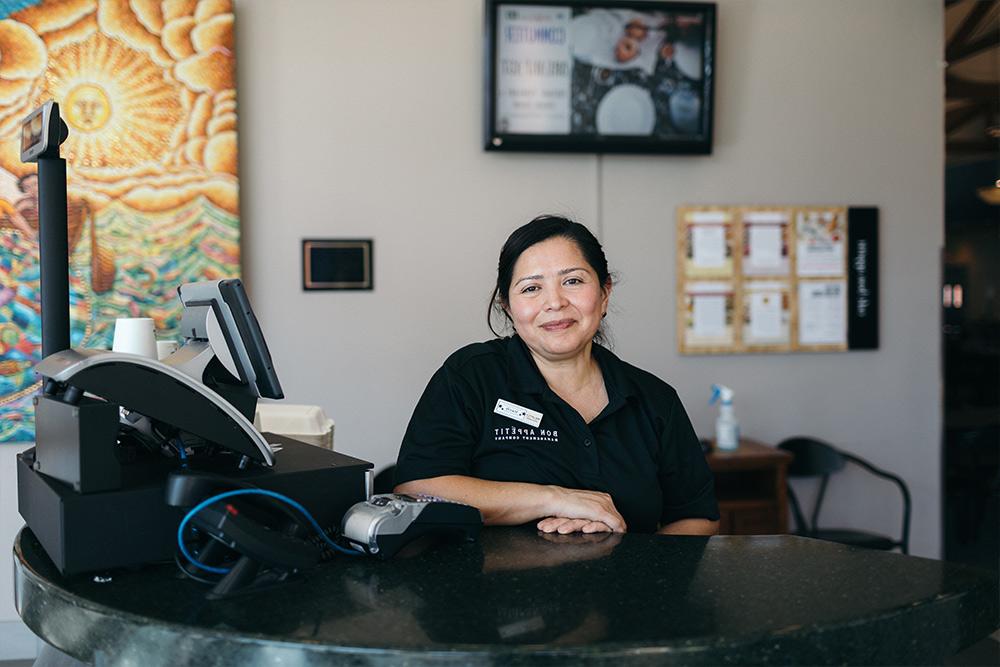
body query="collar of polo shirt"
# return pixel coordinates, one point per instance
(526, 377)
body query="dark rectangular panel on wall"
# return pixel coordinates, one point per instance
(337, 264)
(862, 282)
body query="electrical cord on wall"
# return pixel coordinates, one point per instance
(599, 197)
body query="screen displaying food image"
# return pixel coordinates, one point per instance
(601, 71)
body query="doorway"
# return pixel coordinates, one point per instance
(970, 291)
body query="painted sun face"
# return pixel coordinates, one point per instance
(120, 108)
(88, 107)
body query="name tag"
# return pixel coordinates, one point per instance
(515, 411)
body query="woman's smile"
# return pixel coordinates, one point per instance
(559, 325)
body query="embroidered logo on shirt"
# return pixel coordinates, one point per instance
(520, 413)
(518, 433)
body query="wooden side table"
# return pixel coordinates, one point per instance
(750, 487)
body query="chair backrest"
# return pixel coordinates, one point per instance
(815, 458)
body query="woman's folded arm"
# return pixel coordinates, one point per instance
(515, 503)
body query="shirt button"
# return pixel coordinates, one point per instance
(586, 443)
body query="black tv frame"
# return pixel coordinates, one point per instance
(595, 142)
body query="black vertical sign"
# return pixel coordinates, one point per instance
(862, 281)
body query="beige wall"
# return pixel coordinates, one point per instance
(362, 118)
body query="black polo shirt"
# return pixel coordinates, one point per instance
(641, 449)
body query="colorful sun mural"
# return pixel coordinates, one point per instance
(147, 89)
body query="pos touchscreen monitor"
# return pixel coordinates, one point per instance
(41, 133)
(245, 346)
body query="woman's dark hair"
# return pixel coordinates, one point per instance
(543, 228)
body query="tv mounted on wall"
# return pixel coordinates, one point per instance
(599, 77)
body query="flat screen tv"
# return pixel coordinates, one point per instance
(599, 77)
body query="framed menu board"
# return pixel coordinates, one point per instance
(602, 76)
(776, 279)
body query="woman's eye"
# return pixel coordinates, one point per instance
(573, 281)
(529, 288)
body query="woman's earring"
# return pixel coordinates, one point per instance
(603, 315)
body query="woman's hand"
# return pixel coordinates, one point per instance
(585, 511)
(564, 526)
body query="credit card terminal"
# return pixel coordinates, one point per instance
(386, 522)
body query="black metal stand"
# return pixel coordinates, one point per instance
(53, 254)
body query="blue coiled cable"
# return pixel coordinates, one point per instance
(246, 492)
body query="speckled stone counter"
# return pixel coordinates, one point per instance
(518, 598)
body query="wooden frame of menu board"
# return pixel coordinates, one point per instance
(776, 279)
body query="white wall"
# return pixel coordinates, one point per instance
(362, 118)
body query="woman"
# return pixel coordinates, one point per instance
(549, 426)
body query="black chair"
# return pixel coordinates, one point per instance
(814, 458)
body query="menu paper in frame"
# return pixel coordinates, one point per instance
(765, 243)
(767, 313)
(822, 236)
(823, 312)
(709, 314)
(708, 244)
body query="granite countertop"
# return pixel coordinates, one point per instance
(516, 597)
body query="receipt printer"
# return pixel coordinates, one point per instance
(385, 523)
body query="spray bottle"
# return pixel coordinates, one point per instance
(727, 427)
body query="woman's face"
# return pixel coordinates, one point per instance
(556, 300)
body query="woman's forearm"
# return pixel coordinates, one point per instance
(501, 503)
(690, 527)
(514, 503)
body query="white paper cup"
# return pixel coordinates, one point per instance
(134, 335)
(164, 348)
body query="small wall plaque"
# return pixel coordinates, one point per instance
(337, 264)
